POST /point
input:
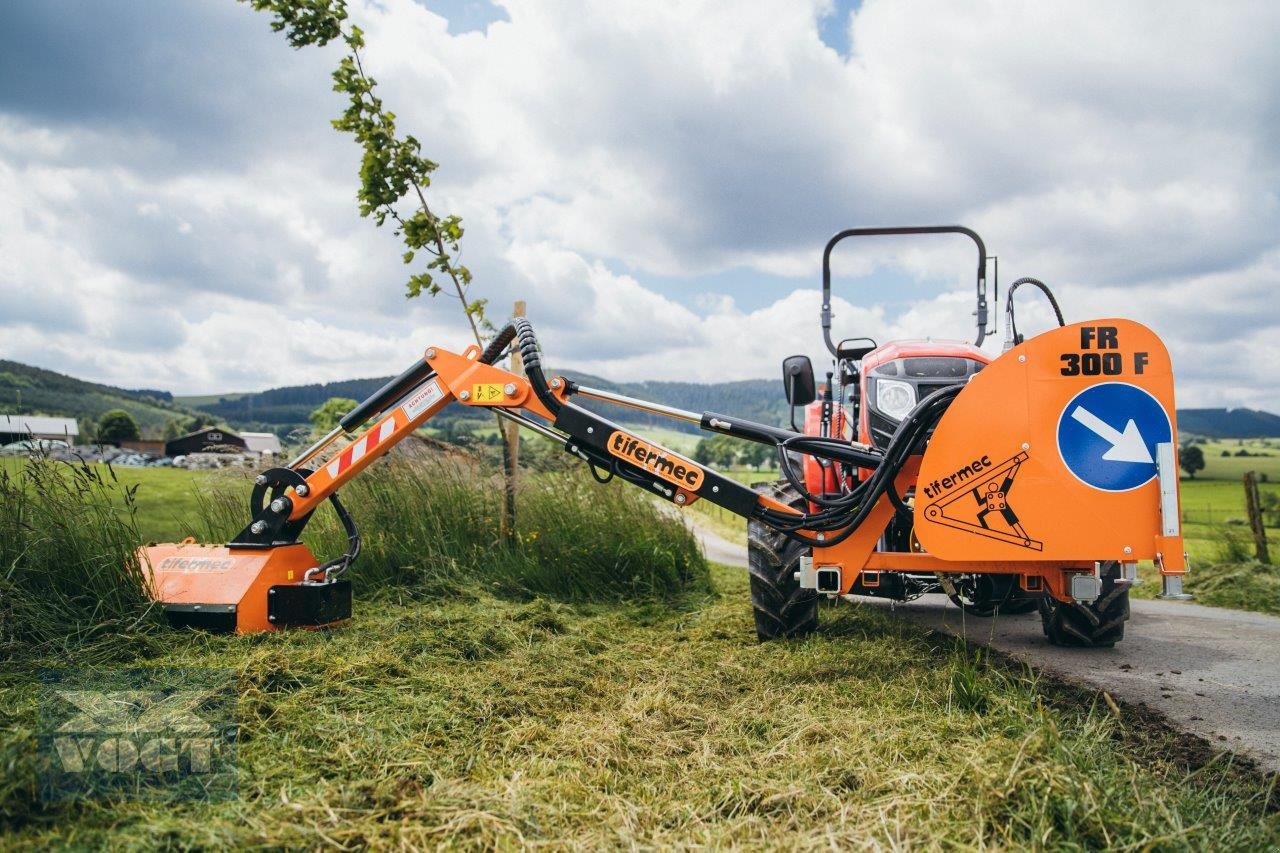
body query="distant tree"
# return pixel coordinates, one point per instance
(88, 431)
(1190, 459)
(116, 426)
(330, 412)
(717, 451)
(199, 420)
(174, 428)
(759, 455)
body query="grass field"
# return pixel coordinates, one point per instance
(1265, 458)
(487, 722)
(166, 498)
(472, 719)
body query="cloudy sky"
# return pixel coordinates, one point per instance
(655, 178)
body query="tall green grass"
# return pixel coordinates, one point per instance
(433, 527)
(68, 565)
(69, 572)
(1245, 585)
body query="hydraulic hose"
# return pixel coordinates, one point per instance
(848, 512)
(531, 357)
(335, 568)
(1013, 337)
(498, 345)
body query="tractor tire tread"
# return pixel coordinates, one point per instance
(1096, 625)
(780, 607)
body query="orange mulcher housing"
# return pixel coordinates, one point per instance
(946, 478)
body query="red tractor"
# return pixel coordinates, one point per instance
(864, 399)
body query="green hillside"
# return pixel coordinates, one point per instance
(754, 399)
(757, 399)
(1228, 423)
(281, 409)
(30, 390)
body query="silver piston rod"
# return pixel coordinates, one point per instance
(642, 405)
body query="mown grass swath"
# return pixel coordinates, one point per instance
(494, 723)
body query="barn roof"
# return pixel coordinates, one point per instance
(261, 442)
(39, 426)
(203, 430)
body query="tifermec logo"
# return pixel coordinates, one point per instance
(154, 734)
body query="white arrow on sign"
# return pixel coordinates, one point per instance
(1126, 446)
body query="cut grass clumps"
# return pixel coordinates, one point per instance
(1248, 585)
(68, 565)
(433, 527)
(490, 723)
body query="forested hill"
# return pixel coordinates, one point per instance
(1228, 423)
(756, 399)
(31, 390)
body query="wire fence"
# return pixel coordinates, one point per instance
(1215, 516)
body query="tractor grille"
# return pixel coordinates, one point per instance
(924, 389)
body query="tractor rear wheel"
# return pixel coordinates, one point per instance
(1096, 625)
(782, 608)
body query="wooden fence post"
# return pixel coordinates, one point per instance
(1253, 506)
(511, 464)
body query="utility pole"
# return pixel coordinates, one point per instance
(511, 461)
(1253, 506)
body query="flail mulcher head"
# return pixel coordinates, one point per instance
(264, 579)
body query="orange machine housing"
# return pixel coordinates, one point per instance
(997, 448)
(221, 588)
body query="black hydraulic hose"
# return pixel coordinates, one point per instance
(498, 345)
(846, 521)
(531, 356)
(1008, 310)
(336, 567)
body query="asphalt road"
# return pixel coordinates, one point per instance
(1211, 672)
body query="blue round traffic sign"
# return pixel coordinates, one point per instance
(1107, 436)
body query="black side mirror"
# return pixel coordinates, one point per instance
(797, 380)
(854, 349)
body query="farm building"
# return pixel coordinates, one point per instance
(20, 427)
(144, 445)
(265, 443)
(207, 440)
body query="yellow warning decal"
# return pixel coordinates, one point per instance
(486, 392)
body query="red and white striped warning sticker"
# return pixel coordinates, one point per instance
(361, 446)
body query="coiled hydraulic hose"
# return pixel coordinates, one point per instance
(531, 361)
(497, 347)
(521, 330)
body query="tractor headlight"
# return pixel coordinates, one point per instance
(895, 399)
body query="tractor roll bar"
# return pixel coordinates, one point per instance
(980, 313)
